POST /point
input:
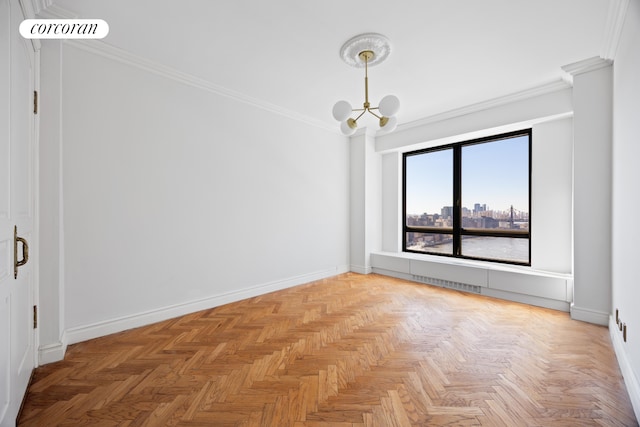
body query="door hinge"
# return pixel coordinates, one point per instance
(35, 102)
(35, 317)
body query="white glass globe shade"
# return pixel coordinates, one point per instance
(346, 129)
(341, 111)
(391, 124)
(389, 105)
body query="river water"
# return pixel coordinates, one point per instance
(498, 248)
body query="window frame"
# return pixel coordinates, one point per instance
(457, 231)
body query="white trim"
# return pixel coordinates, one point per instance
(613, 30)
(546, 103)
(36, 203)
(585, 66)
(28, 12)
(630, 380)
(360, 269)
(98, 329)
(27, 9)
(544, 89)
(52, 352)
(526, 299)
(588, 315)
(41, 5)
(486, 265)
(52, 11)
(105, 50)
(393, 273)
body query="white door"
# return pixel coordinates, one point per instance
(17, 154)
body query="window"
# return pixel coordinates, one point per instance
(470, 199)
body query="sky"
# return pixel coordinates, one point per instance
(494, 173)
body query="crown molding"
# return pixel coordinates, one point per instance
(584, 66)
(28, 8)
(491, 103)
(49, 10)
(40, 5)
(613, 29)
(105, 50)
(36, 6)
(28, 12)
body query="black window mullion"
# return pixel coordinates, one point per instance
(457, 202)
(405, 229)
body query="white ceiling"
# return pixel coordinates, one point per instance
(445, 54)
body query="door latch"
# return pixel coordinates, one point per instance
(25, 252)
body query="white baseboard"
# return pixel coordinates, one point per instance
(588, 315)
(630, 379)
(52, 352)
(360, 269)
(393, 273)
(526, 299)
(99, 329)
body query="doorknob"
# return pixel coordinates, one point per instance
(25, 252)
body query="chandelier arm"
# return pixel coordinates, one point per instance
(372, 113)
(361, 114)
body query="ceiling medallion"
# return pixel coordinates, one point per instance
(360, 51)
(376, 43)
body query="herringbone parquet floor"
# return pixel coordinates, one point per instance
(352, 350)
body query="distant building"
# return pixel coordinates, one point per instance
(489, 222)
(447, 212)
(477, 208)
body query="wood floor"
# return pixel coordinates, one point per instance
(352, 350)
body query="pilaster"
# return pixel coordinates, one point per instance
(592, 171)
(365, 203)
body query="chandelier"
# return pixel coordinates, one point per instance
(366, 50)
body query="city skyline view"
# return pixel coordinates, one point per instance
(495, 174)
(478, 217)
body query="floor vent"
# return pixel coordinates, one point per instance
(448, 284)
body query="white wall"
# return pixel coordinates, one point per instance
(551, 188)
(177, 198)
(391, 201)
(626, 200)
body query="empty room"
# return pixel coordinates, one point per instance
(288, 213)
